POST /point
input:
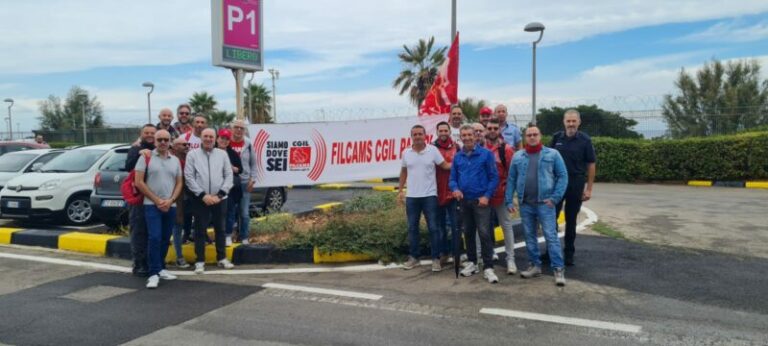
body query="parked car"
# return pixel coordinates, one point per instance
(109, 206)
(17, 163)
(60, 190)
(9, 147)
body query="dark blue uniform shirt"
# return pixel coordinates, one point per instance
(577, 151)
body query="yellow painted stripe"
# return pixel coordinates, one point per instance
(499, 233)
(374, 180)
(757, 184)
(188, 251)
(385, 188)
(339, 257)
(332, 186)
(327, 206)
(85, 242)
(561, 218)
(6, 233)
(700, 183)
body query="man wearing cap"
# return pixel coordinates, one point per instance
(243, 146)
(485, 114)
(510, 132)
(208, 176)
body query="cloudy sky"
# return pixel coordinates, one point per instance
(337, 58)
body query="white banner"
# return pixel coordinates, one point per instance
(328, 152)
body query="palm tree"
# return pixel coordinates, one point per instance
(420, 69)
(219, 119)
(471, 108)
(202, 103)
(258, 107)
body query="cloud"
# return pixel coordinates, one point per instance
(729, 32)
(55, 36)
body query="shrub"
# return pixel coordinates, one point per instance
(732, 157)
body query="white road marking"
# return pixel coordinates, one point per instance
(629, 328)
(340, 293)
(74, 263)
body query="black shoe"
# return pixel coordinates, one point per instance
(140, 272)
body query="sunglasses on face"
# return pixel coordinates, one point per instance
(163, 139)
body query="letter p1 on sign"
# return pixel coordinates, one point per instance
(236, 28)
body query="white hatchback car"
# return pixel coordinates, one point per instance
(17, 163)
(61, 189)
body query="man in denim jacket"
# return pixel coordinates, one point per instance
(539, 177)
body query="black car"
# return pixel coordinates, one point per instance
(109, 206)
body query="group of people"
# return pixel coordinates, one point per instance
(192, 177)
(467, 179)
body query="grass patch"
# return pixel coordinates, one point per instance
(607, 230)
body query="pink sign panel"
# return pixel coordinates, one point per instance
(241, 23)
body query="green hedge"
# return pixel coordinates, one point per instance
(733, 157)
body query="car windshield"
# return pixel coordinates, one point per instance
(78, 160)
(13, 163)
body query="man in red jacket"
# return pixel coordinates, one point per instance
(446, 205)
(495, 143)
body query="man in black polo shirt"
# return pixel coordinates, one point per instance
(576, 149)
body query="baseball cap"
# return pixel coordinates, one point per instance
(486, 111)
(225, 133)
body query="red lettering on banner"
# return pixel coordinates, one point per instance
(385, 150)
(344, 153)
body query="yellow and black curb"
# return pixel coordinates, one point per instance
(727, 183)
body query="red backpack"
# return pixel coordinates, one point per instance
(131, 194)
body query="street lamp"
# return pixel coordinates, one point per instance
(534, 27)
(249, 115)
(275, 75)
(149, 105)
(10, 119)
(83, 102)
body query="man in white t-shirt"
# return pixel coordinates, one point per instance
(418, 170)
(456, 119)
(199, 123)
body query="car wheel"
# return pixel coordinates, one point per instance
(78, 210)
(274, 201)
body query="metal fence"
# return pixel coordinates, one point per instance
(94, 136)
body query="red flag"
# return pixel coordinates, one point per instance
(444, 91)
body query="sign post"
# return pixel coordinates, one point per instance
(237, 35)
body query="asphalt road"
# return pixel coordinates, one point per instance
(620, 292)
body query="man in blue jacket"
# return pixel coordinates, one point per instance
(539, 177)
(473, 182)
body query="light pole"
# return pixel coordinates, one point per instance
(83, 102)
(275, 75)
(149, 105)
(10, 119)
(453, 20)
(534, 27)
(249, 115)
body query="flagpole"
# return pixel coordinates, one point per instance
(453, 20)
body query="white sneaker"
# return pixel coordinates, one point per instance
(245, 241)
(489, 275)
(153, 281)
(166, 275)
(226, 264)
(511, 266)
(469, 270)
(199, 267)
(495, 256)
(229, 240)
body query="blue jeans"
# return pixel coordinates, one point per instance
(532, 215)
(414, 207)
(159, 229)
(177, 240)
(446, 218)
(239, 211)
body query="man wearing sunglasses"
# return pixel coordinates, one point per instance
(161, 189)
(183, 112)
(539, 178)
(502, 152)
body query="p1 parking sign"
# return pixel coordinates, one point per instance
(237, 34)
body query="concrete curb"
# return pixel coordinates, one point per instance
(729, 183)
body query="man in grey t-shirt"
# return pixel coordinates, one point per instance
(159, 178)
